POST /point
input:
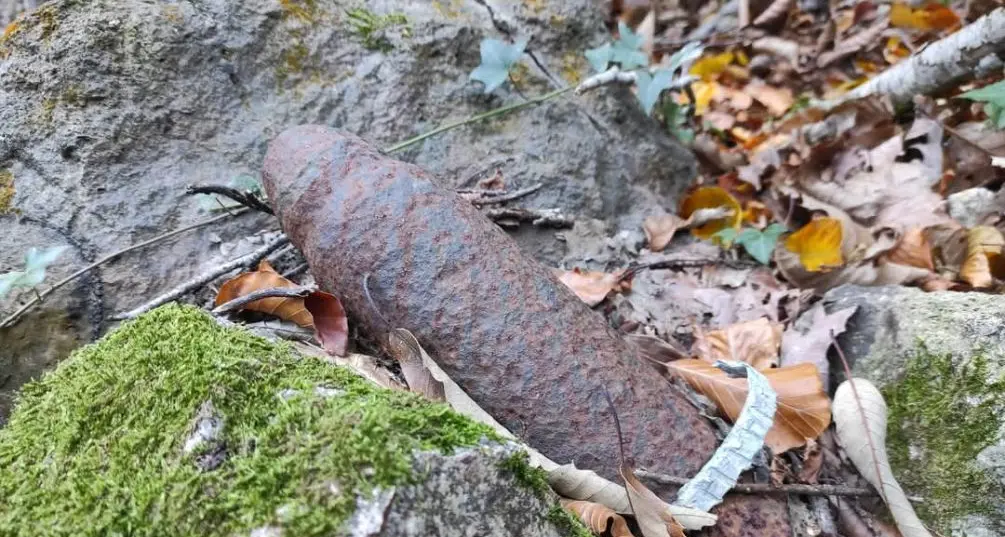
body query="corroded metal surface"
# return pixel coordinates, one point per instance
(500, 324)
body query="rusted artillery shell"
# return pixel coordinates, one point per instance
(500, 324)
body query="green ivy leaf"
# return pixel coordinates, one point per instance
(35, 263)
(651, 86)
(995, 94)
(726, 236)
(627, 49)
(9, 281)
(760, 244)
(599, 57)
(497, 59)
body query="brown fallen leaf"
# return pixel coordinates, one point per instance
(651, 513)
(913, 250)
(592, 287)
(808, 339)
(755, 342)
(403, 346)
(776, 100)
(601, 520)
(813, 460)
(660, 230)
(318, 310)
(803, 406)
(983, 242)
(779, 470)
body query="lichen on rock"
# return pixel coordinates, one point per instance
(98, 446)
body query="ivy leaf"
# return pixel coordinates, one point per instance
(36, 261)
(684, 57)
(627, 49)
(497, 59)
(994, 98)
(726, 236)
(650, 87)
(760, 244)
(9, 281)
(599, 57)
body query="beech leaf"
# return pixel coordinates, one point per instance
(803, 406)
(403, 346)
(755, 342)
(600, 519)
(808, 339)
(818, 244)
(984, 244)
(651, 513)
(660, 230)
(712, 197)
(590, 286)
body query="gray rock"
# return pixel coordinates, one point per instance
(111, 107)
(939, 358)
(10, 9)
(970, 207)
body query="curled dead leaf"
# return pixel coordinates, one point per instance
(601, 520)
(403, 346)
(593, 287)
(651, 513)
(712, 197)
(803, 406)
(818, 244)
(984, 244)
(755, 342)
(913, 250)
(660, 230)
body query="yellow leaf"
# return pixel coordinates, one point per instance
(818, 244)
(709, 67)
(933, 16)
(984, 245)
(704, 92)
(712, 197)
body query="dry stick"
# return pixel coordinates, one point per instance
(272, 292)
(9, 321)
(206, 277)
(509, 196)
(767, 488)
(861, 412)
(250, 201)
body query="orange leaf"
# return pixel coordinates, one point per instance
(601, 520)
(803, 406)
(776, 100)
(651, 513)
(913, 250)
(984, 243)
(933, 16)
(590, 286)
(290, 309)
(319, 310)
(818, 244)
(660, 230)
(712, 197)
(754, 342)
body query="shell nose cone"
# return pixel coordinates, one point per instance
(288, 156)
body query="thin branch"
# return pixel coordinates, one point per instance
(273, 292)
(250, 201)
(296, 271)
(538, 217)
(206, 277)
(491, 113)
(673, 263)
(10, 320)
(768, 488)
(487, 199)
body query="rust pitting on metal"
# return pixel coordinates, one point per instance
(501, 325)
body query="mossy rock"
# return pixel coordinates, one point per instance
(175, 425)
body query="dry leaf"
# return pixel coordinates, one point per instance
(776, 100)
(779, 470)
(803, 406)
(808, 339)
(949, 245)
(818, 244)
(860, 421)
(754, 342)
(708, 67)
(660, 230)
(599, 518)
(983, 244)
(319, 310)
(651, 513)
(933, 16)
(712, 197)
(403, 346)
(913, 250)
(813, 461)
(590, 286)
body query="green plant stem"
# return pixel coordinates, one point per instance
(10, 320)
(491, 113)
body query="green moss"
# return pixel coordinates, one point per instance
(95, 446)
(304, 10)
(48, 20)
(567, 523)
(7, 191)
(941, 417)
(370, 27)
(535, 479)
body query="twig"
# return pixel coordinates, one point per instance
(10, 320)
(205, 278)
(491, 113)
(538, 217)
(273, 292)
(673, 263)
(507, 196)
(248, 200)
(296, 271)
(768, 488)
(861, 412)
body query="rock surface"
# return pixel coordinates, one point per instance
(939, 359)
(299, 447)
(111, 107)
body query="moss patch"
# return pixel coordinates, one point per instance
(535, 479)
(7, 191)
(567, 523)
(95, 447)
(941, 417)
(370, 27)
